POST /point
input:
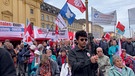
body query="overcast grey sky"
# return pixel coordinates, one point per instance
(104, 6)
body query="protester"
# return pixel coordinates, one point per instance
(129, 47)
(21, 60)
(7, 67)
(103, 61)
(32, 49)
(129, 60)
(44, 43)
(9, 46)
(65, 69)
(118, 69)
(112, 50)
(40, 48)
(62, 58)
(80, 59)
(49, 54)
(48, 67)
(67, 45)
(1, 44)
(104, 45)
(35, 63)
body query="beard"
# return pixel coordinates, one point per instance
(82, 46)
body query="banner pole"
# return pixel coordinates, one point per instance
(129, 24)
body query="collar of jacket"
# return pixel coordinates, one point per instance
(78, 49)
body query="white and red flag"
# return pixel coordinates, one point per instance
(78, 4)
(60, 22)
(28, 34)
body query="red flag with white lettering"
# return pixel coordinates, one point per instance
(78, 4)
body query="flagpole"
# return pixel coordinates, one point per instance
(115, 24)
(129, 25)
(87, 19)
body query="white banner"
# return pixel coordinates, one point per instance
(9, 29)
(104, 19)
(131, 15)
(44, 33)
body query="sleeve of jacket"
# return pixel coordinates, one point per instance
(6, 62)
(57, 71)
(77, 65)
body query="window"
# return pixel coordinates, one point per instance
(47, 26)
(31, 11)
(42, 16)
(47, 18)
(43, 25)
(51, 19)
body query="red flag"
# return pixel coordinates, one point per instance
(30, 30)
(56, 30)
(120, 26)
(28, 34)
(71, 35)
(78, 4)
(107, 36)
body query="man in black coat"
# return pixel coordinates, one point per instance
(7, 67)
(80, 59)
(129, 47)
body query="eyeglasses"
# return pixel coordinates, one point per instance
(83, 39)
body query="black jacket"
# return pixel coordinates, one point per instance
(129, 49)
(80, 63)
(6, 64)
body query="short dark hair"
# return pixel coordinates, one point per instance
(81, 33)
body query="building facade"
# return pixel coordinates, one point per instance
(97, 31)
(19, 11)
(83, 24)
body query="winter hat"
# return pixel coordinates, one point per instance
(32, 47)
(37, 52)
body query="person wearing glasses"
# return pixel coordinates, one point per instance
(80, 59)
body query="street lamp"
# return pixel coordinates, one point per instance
(87, 16)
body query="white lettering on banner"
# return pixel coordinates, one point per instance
(16, 29)
(78, 3)
(63, 34)
(4, 29)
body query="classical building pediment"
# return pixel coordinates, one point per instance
(7, 13)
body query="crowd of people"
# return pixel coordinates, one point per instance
(80, 57)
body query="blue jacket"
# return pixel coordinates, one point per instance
(53, 57)
(112, 51)
(34, 68)
(125, 72)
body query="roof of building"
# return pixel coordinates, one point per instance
(45, 7)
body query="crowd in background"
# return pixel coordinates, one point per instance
(51, 58)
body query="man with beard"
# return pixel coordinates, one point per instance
(80, 59)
